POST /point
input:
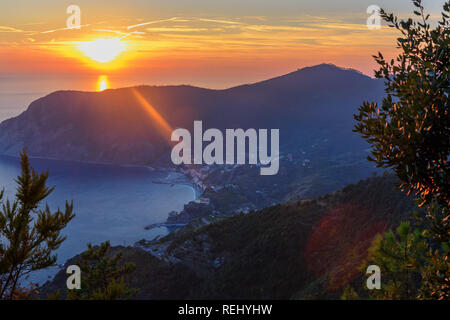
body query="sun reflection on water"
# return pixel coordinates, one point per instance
(102, 83)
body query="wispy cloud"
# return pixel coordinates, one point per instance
(10, 29)
(177, 29)
(118, 32)
(219, 21)
(66, 28)
(151, 22)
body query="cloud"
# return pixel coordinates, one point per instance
(66, 28)
(177, 29)
(123, 34)
(220, 21)
(10, 29)
(239, 36)
(151, 22)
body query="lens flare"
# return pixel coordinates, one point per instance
(351, 226)
(162, 125)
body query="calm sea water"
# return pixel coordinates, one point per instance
(111, 202)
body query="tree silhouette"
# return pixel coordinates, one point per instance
(28, 234)
(410, 131)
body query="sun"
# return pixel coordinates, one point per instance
(102, 50)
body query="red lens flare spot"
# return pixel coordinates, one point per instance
(339, 243)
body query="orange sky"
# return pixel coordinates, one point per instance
(205, 50)
(193, 49)
(214, 45)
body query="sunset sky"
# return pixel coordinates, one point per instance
(214, 44)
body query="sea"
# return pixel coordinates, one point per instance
(111, 202)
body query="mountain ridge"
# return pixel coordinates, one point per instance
(112, 127)
(308, 249)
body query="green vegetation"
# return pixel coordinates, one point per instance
(29, 233)
(103, 278)
(303, 249)
(154, 278)
(308, 249)
(399, 255)
(410, 133)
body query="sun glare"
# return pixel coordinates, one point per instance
(102, 83)
(102, 50)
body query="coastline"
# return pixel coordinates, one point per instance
(180, 179)
(197, 189)
(172, 180)
(174, 177)
(115, 223)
